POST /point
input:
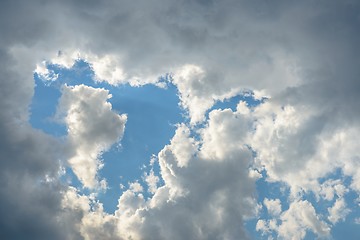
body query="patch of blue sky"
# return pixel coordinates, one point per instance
(272, 190)
(348, 229)
(152, 117)
(43, 108)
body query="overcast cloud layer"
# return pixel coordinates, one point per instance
(301, 58)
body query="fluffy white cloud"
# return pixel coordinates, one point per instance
(296, 145)
(92, 128)
(226, 132)
(273, 206)
(136, 187)
(299, 218)
(44, 73)
(87, 217)
(152, 181)
(107, 69)
(266, 227)
(213, 197)
(331, 187)
(338, 212)
(189, 79)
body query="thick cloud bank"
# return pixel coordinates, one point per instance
(297, 60)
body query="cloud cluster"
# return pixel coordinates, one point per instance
(303, 54)
(202, 198)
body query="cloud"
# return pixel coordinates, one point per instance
(136, 187)
(92, 129)
(152, 181)
(188, 80)
(299, 218)
(44, 73)
(108, 69)
(266, 227)
(331, 187)
(299, 144)
(303, 55)
(339, 211)
(210, 198)
(206, 198)
(30, 165)
(226, 132)
(273, 206)
(87, 216)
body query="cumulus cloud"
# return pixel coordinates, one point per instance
(266, 227)
(273, 206)
(92, 128)
(304, 55)
(210, 199)
(226, 132)
(200, 200)
(152, 181)
(330, 188)
(339, 211)
(299, 218)
(107, 69)
(299, 145)
(135, 187)
(87, 216)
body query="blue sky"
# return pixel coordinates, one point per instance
(179, 120)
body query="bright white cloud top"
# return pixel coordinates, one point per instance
(92, 128)
(180, 120)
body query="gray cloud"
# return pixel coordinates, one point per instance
(304, 54)
(29, 204)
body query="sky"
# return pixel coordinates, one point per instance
(179, 120)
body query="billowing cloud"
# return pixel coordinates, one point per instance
(273, 206)
(214, 195)
(303, 55)
(92, 128)
(299, 218)
(206, 198)
(339, 211)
